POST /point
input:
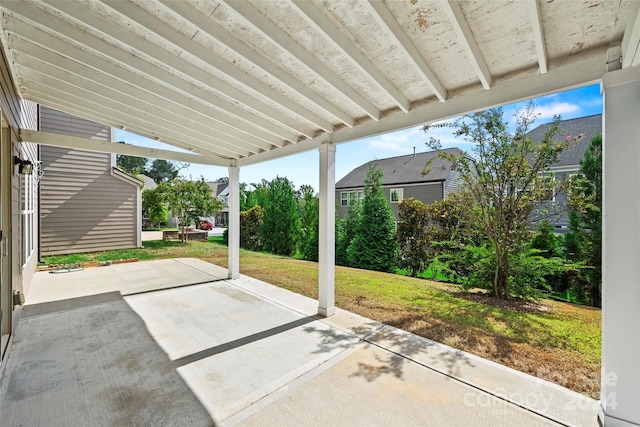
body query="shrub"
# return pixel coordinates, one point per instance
(250, 229)
(413, 236)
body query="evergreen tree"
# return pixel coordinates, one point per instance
(374, 246)
(545, 240)
(586, 227)
(346, 230)
(281, 224)
(309, 208)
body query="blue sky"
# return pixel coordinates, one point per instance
(303, 168)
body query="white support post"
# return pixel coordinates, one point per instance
(327, 231)
(620, 383)
(234, 223)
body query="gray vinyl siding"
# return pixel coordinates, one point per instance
(84, 206)
(55, 121)
(452, 184)
(556, 211)
(425, 192)
(9, 101)
(28, 115)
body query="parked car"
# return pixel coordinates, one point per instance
(205, 225)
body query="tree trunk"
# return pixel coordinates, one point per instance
(501, 276)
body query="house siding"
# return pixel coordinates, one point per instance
(19, 229)
(55, 121)
(556, 211)
(452, 183)
(85, 206)
(9, 101)
(427, 193)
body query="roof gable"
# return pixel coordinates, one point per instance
(589, 126)
(403, 169)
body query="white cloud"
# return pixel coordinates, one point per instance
(394, 143)
(556, 108)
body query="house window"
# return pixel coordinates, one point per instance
(395, 195)
(27, 216)
(550, 194)
(344, 199)
(348, 198)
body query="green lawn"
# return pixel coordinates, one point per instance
(550, 339)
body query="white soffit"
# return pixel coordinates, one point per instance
(239, 82)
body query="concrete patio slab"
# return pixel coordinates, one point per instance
(91, 362)
(128, 278)
(556, 402)
(250, 353)
(373, 387)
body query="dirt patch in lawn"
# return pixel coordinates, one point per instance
(510, 304)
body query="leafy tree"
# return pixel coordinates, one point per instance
(188, 201)
(374, 246)
(131, 164)
(585, 235)
(153, 207)
(281, 225)
(222, 180)
(164, 170)
(309, 207)
(508, 178)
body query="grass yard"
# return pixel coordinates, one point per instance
(556, 341)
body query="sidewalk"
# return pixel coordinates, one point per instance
(157, 235)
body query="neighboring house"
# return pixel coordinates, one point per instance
(87, 204)
(221, 192)
(569, 161)
(402, 179)
(147, 182)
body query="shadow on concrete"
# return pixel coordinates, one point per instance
(242, 341)
(91, 361)
(403, 348)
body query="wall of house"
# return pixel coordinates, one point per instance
(555, 211)
(18, 210)
(86, 205)
(425, 192)
(25, 199)
(452, 183)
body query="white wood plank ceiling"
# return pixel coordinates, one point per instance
(241, 82)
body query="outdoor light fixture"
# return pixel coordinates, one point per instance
(25, 167)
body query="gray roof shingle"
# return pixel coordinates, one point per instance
(589, 126)
(408, 169)
(403, 169)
